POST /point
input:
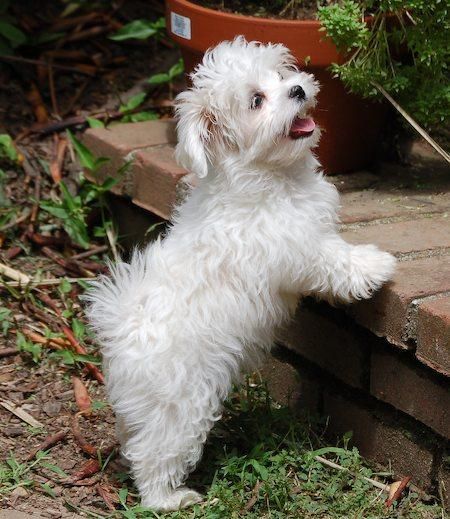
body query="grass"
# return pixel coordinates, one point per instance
(259, 463)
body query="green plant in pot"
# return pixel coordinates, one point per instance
(401, 52)
(332, 42)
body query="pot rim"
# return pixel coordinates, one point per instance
(305, 38)
(313, 24)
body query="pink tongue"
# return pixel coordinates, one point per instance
(302, 126)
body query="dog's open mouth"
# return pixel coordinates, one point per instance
(302, 127)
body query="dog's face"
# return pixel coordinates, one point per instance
(247, 101)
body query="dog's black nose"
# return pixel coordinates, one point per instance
(297, 92)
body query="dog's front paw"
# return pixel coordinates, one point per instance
(182, 497)
(371, 268)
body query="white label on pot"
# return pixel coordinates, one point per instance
(180, 25)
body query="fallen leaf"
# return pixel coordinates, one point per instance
(82, 397)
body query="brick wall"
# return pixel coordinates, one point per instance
(396, 407)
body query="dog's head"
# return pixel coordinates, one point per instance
(248, 101)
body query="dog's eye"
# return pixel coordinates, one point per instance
(257, 101)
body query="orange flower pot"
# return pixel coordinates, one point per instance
(351, 126)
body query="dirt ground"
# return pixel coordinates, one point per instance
(44, 389)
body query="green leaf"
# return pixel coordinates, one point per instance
(176, 69)
(109, 183)
(328, 450)
(54, 468)
(95, 123)
(85, 156)
(48, 490)
(5, 320)
(92, 359)
(83, 284)
(65, 287)
(65, 356)
(123, 493)
(12, 33)
(97, 405)
(137, 29)
(54, 210)
(7, 148)
(27, 346)
(140, 117)
(79, 329)
(77, 230)
(260, 469)
(70, 201)
(133, 102)
(159, 79)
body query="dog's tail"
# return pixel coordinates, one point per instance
(112, 302)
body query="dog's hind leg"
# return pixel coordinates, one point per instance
(165, 440)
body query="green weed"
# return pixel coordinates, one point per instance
(73, 209)
(260, 463)
(140, 30)
(14, 473)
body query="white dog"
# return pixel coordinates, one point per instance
(189, 314)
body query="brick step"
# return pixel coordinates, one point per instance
(329, 339)
(382, 434)
(403, 210)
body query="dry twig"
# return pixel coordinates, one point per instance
(413, 123)
(78, 348)
(20, 413)
(373, 482)
(252, 501)
(8, 352)
(90, 252)
(84, 445)
(54, 343)
(14, 274)
(48, 442)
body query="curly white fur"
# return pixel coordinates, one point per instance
(189, 314)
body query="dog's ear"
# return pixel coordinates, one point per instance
(193, 133)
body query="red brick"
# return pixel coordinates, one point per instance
(123, 138)
(286, 386)
(378, 440)
(403, 237)
(156, 175)
(433, 334)
(387, 313)
(118, 141)
(411, 390)
(365, 206)
(328, 345)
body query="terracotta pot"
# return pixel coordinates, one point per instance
(351, 127)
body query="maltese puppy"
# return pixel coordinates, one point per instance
(189, 314)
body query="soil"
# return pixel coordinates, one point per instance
(46, 392)
(287, 9)
(44, 388)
